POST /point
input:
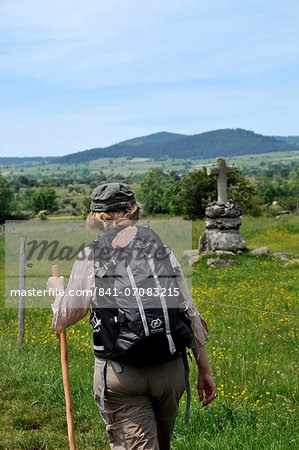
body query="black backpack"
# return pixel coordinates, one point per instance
(139, 316)
(138, 313)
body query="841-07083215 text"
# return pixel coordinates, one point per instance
(142, 292)
(127, 292)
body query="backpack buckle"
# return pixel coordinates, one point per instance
(118, 319)
(95, 321)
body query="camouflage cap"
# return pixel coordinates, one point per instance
(112, 196)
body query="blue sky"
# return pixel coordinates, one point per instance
(78, 74)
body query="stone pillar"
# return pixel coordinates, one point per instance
(223, 217)
(222, 227)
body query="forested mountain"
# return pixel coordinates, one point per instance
(226, 142)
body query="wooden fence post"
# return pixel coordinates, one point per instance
(22, 287)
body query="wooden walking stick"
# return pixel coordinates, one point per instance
(66, 379)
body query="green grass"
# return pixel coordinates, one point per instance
(250, 311)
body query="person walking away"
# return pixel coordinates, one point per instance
(140, 369)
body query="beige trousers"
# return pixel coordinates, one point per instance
(141, 403)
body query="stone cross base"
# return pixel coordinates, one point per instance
(222, 222)
(221, 240)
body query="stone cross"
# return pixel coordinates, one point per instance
(221, 170)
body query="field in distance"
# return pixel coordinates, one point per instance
(128, 167)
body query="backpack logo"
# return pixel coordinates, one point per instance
(156, 325)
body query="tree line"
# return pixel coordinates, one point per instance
(160, 192)
(187, 196)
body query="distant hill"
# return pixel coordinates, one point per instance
(26, 161)
(227, 142)
(288, 139)
(129, 148)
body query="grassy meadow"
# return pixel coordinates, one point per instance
(250, 309)
(129, 167)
